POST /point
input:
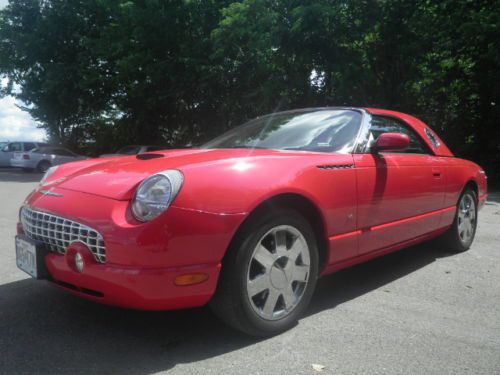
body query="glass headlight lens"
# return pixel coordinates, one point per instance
(155, 194)
(48, 173)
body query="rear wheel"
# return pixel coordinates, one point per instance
(269, 274)
(461, 234)
(43, 166)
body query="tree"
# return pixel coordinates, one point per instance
(180, 71)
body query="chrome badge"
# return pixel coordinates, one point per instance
(51, 193)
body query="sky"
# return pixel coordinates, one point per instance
(15, 124)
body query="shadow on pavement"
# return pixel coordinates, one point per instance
(43, 329)
(349, 283)
(18, 175)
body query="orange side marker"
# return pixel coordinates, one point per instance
(190, 279)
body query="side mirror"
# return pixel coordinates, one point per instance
(391, 142)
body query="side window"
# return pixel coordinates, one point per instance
(29, 146)
(381, 124)
(15, 147)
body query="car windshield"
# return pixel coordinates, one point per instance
(129, 150)
(328, 130)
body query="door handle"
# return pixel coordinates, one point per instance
(436, 173)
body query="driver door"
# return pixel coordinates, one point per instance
(399, 193)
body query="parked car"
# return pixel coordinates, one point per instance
(8, 149)
(133, 150)
(42, 158)
(250, 220)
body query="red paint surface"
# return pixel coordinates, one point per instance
(384, 202)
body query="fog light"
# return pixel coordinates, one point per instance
(79, 262)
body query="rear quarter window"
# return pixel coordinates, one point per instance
(432, 137)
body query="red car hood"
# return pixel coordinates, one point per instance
(118, 177)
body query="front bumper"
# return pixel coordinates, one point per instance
(133, 287)
(142, 259)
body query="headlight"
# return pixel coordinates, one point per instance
(48, 173)
(155, 194)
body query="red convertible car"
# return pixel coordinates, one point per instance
(250, 220)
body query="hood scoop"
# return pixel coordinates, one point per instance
(147, 156)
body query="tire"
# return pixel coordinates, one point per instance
(267, 296)
(461, 234)
(43, 166)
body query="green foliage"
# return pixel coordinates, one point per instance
(111, 72)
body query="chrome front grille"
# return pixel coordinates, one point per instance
(58, 233)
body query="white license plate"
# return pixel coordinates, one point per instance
(26, 257)
(17, 155)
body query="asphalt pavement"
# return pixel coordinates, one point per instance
(418, 311)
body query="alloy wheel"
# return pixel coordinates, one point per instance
(466, 220)
(278, 272)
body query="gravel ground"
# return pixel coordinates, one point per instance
(418, 311)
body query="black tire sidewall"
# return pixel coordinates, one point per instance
(41, 164)
(250, 239)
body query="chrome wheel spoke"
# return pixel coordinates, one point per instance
(264, 257)
(300, 273)
(271, 300)
(469, 225)
(258, 285)
(461, 215)
(297, 249)
(473, 215)
(289, 297)
(280, 242)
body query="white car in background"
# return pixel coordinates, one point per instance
(42, 158)
(7, 150)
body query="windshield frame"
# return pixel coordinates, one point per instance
(350, 150)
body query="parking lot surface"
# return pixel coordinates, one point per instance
(418, 311)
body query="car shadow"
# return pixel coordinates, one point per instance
(350, 283)
(18, 175)
(43, 329)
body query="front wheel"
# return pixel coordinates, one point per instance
(43, 166)
(463, 230)
(269, 274)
